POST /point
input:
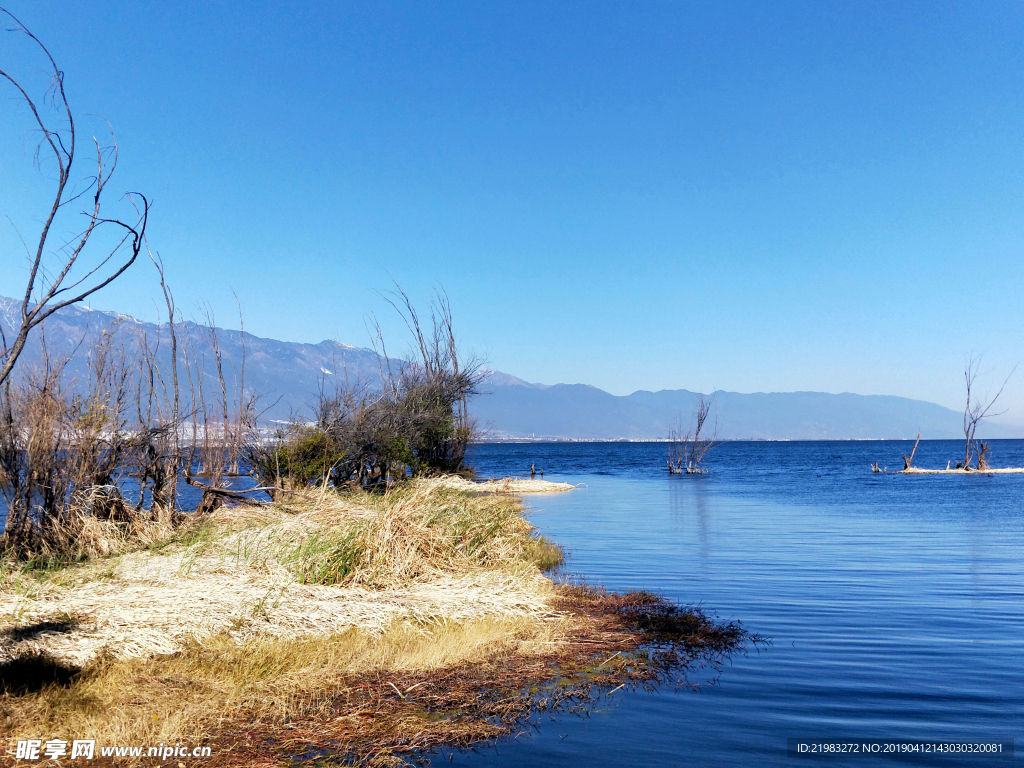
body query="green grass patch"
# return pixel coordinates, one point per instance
(327, 558)
(543, 552)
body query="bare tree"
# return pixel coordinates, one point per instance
(687, 450)
(165, 495)
(242, 403)
(975, 411)
(704, 437)
(157, 452)
(438, 383)
(52, 286)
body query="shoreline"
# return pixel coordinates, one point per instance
(384, 625)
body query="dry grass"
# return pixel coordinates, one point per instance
(81, 537)
(187, 695)
(388, 718)
(322, 564)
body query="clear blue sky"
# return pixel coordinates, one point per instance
(635, 195)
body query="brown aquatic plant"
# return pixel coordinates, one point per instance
(390, 717)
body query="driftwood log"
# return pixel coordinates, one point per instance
(213, 497)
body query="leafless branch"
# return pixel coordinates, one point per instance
(44, 296)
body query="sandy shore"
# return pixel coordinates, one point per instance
(516, 486)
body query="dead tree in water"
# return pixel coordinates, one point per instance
(54, 285)
(908, 461)
(686, 454)
(975, 413)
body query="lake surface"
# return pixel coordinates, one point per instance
(895, 604)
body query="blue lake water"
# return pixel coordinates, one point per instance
(895, 604)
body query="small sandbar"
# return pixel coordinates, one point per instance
(507, 485)
(962, 471)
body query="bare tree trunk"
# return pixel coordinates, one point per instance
(983, 449)
(171, 464)
(908, 462)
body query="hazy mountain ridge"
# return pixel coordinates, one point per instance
(574, 411)
(290, 375)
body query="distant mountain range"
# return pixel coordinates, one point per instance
(513, 408)
(289, 376)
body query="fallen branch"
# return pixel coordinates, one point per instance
(236, 495)
(214, 497)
